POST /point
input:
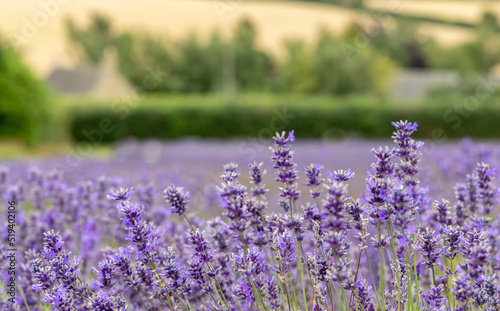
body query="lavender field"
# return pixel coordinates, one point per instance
(189, 225)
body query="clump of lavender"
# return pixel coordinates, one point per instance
(58, 278)
(420, 258)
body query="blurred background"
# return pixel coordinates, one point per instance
(77, 76)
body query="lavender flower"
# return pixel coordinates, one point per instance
(121, 194)
(461, 204)
(102, 301)
(364, 297)
(230, 266)
(140, 234)
(335, 205)
(443, 214)
(256, 174)
(284, 166)
(488, 193)
(61, 299)
(381, 243)
(452, 236)
(201, 248)
(383, 167)
(427, 244)
(272, 294)
(435, 299)
(251, 265)
(53, 244)
(177, 198)
(313, 174)
(105, 274)
(340, 175)
(284, 249)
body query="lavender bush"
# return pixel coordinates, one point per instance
(399, 246)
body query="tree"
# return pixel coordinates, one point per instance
(25, 106)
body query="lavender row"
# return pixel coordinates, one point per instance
(415, 239)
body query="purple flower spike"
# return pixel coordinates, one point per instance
(365, 296)
(284, 166)
(53, 244)
(405, 126)
(105, 274)
(435, 298)
(256, 172)
(121, 194)
(427, 244)
(201, 247)
(443, 214)
(177, 198)
(61, 299)
(313, 174)
(340, 175)
(383, 166)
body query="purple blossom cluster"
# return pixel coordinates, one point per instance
(400, 246)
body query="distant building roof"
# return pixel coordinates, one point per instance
(103, 81)
(78, 81)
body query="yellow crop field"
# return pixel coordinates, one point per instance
(37, 27)
(458, 10)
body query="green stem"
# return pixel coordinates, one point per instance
(381, 264)
(433, 277)
(373, 280)
(202, 302)
(287, 294)
(451, 284)
(301, 271)
(142, 301)
(259, 297)
(22, 296)
(396, 262)
(190, 224)
(166, 285)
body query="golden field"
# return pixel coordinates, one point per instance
(37, 26)
(459, 10)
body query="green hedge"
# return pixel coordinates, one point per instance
(256, 115)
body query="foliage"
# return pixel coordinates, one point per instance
(94, 39)
(313, 116)
(25, 103)
(399, 40)
(332, 66)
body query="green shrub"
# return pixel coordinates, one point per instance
(25, 107)
(174, 116)
(335, 66)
